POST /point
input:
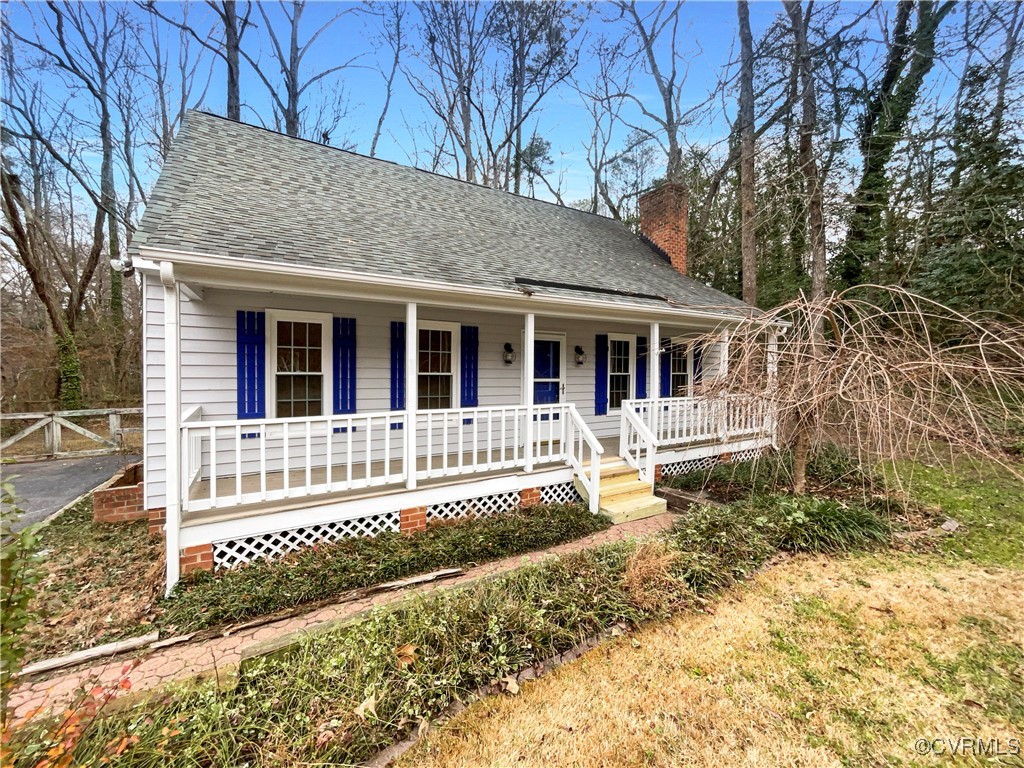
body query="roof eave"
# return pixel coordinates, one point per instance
(249, 274)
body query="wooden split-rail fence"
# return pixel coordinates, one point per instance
(54, 423)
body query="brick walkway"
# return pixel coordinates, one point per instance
(222, 654)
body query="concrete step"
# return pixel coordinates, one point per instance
(634, 509)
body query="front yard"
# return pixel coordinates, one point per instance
(842, 652)
(817, 661)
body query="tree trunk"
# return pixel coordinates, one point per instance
(69, 373)
(801, 449)
(748, 242)
(232, 44)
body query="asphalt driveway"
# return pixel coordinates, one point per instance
(43, 487)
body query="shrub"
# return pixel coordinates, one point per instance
(19, 573)
(339, 698)
(718, 545)
(813, 524)
(829, 465)
(327, 571)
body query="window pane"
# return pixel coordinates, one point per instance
(299, 334)
(435, 351)
(619, 357)
(434, 391)
(547, 359)
(315, 361)
(313, 334)
(284, 333)
(618, 390)
(545, 392)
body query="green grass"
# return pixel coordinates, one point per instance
(327, 571)
(982, 496)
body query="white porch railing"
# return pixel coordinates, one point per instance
(687, 420)
(230, 463)
(647, 425)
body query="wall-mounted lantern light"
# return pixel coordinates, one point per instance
(581, 356)
(509, 355)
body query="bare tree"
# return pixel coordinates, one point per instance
(229, 48)
(654, 32)
(802, 66)
(393, 35)
(454, 44)
(90, 47)
(748, 238)
(287, 60)
(896, 376)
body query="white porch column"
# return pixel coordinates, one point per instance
(528, 336)
(411, 393)
(773, 359)
(172, 420)
(654, 363)
(723, 365)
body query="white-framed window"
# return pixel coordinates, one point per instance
(437, 365)
(299, 365)
(681, 368)
(621, 364)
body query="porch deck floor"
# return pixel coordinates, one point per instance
(250, 483)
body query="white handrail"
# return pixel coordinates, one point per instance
(574, 454)
(646, 445)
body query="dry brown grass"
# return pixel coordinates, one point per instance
(817, 662)
(648, 578)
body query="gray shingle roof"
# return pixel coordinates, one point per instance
(231, 189)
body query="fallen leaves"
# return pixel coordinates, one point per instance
(407, 654)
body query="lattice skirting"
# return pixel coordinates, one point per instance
(480, 506)
(560, 493)
(707, 463)
(235, 552)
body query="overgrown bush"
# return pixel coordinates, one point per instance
(19, 573)
(813, 524)
(326, 571)
(718, 545)
(829, 467)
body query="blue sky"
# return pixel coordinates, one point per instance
(707, 31)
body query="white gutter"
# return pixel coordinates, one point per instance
(444, 291)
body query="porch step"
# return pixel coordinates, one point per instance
(624, 496)
(634, 509)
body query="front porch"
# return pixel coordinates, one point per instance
(242, 469)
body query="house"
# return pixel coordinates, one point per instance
(337, 345)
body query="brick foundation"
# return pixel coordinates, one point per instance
(157, 518)
(122, 500)
(413, 519)
(529, 497)
(659, 472)
(197, 558)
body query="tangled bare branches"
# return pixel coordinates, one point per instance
(886, 374)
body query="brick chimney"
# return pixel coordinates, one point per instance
(663, 221)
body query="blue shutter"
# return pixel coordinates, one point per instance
(397, 366)
(666, 371)
(470, 366)
(601, 375)
(641, 367)
(252, 364)
(698, 361)
(344, 365)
